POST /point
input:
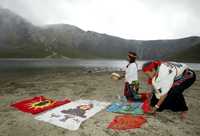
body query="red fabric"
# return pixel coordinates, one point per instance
(145, 98)
(146, 106)
(149, 81)
(145, 95)
(151, 66)
(38, 104)
(125, 122)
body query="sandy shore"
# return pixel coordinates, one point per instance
(75, 84)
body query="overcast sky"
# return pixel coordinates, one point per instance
(130, 19)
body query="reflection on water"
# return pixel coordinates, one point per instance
(62, 63)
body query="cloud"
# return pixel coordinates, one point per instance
(131, 19)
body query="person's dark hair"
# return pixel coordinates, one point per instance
(132, 56)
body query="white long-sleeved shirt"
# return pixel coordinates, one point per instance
(167, 72)
(131, 73)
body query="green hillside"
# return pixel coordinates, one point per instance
(190, 55)
(21, 39)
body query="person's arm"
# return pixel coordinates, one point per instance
(160, 101)
(123, 72)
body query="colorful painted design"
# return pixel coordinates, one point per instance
(134, 108)
(70, 116)
(79, 110)
(38, 104)
(126, 108)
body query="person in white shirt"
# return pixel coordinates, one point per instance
(169, 80)
(131, 78)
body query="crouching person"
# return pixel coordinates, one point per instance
(169, 80)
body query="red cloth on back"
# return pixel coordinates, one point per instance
(38, 104)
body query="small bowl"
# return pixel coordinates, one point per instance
(115, 76)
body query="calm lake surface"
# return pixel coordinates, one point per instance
(62, 63)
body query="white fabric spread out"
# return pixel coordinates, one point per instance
(71, 115)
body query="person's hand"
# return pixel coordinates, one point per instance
(121, 77)
(153, 111)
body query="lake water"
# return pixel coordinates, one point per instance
(62, 63)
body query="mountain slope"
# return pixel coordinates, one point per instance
(16, 37)
(189, 55)
(21, 39)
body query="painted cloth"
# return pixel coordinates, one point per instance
(126, 108)
(167, 73)
(38, 104)
(70, 116)
(175, 100)
(135, 108)
(126, 122)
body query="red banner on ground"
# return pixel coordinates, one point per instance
(126, 122)
(38, 104)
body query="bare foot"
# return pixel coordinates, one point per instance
(183, 115)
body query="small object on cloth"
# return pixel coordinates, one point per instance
(126, 108)
(115, 76)
(38, 104)
(126, 122)
(70, 116)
